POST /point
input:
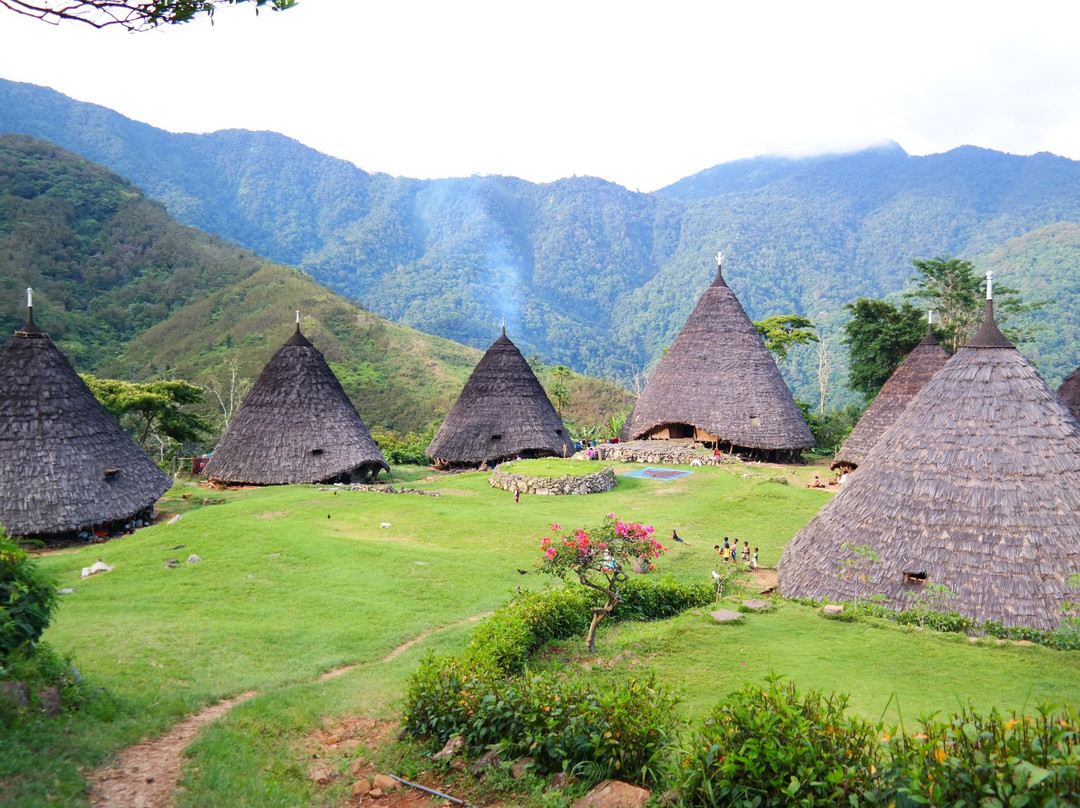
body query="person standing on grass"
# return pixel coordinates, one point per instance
(517, 496)
(754, 562)
(746, 551)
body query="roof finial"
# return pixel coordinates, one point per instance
(29, 305)
(504, 326)
(719, 260)
(929, 316)
(989, 284)
(298, 321)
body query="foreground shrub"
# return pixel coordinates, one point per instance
(771, 746)
(27, 599)
(564, 724)
(974, 760)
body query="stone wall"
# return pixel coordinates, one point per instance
(661, 452)
(602, 480)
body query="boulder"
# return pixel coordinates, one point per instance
(520, 767)
(614, 794)
(725, 616)
(832, 610)
(385, 783)
(453, 746)
(15, 693)
(50, 702)
(756, 605)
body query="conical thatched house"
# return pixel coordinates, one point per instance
(925, 359)
(1069, 392)
(67, 469)
(975, 487)
(502, 413)
(295, 425)
(719, 385)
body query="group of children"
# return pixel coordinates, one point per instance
(730, 552)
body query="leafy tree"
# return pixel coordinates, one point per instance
(595, 558)
(784, 331)
(27, 599)
(951, 287)
(879, 337)
(559, 392)
(153, 413)
(134, 15)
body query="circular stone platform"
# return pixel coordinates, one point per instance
(595, 483)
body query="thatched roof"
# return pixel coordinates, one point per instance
(925, 359)
(65, 463)
(1069, 392)
(295, 425)
(719, 378)
(976, 484)
(502, 412)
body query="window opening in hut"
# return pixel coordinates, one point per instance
(682, 430)
(110, 473)
(914, 576)
(754, 421)
(317, 451)
(496, 437)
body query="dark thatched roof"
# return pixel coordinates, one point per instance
(719, 377)
(502, 412)
(65, 463)
(295, 425)
(925, 359)
(976, 485)
(1069, 392)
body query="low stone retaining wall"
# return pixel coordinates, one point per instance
(603, 480)
(657, 452)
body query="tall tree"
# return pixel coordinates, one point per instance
(879, 337)
(153, 413)
(134, 15)
(953, 289)
(783, 331)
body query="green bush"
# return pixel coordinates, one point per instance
(27, 600)
(770, 746)
(523, 625)
(620, 730)
(642, 599)
(976, 760)
(405, 449)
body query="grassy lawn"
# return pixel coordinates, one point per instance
(299, 580)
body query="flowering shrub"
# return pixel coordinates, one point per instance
(595, 558)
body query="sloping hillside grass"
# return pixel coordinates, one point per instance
(296, 581)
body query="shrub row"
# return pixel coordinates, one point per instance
(1065, 637)
(562, 723)
(772, 746)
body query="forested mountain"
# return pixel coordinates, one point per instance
(586, 272)
(125, 291)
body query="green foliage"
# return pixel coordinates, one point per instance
(830, 429)
(771, 746)
(405, 449)
(879, 337)
(155, 414)
(952, 289)
(641, 599)
(783, 331)
(515, 631)
(133, 15)
(27, 600)
(986, 760)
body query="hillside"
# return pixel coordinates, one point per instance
(585, 272)
(127, 292)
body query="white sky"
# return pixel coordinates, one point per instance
(640, 93)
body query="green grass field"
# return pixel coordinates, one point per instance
(297, 581)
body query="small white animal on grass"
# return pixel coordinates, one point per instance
(385, 524)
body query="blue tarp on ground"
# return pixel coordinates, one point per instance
(657, 474)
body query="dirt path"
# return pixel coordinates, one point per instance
(146, 775)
